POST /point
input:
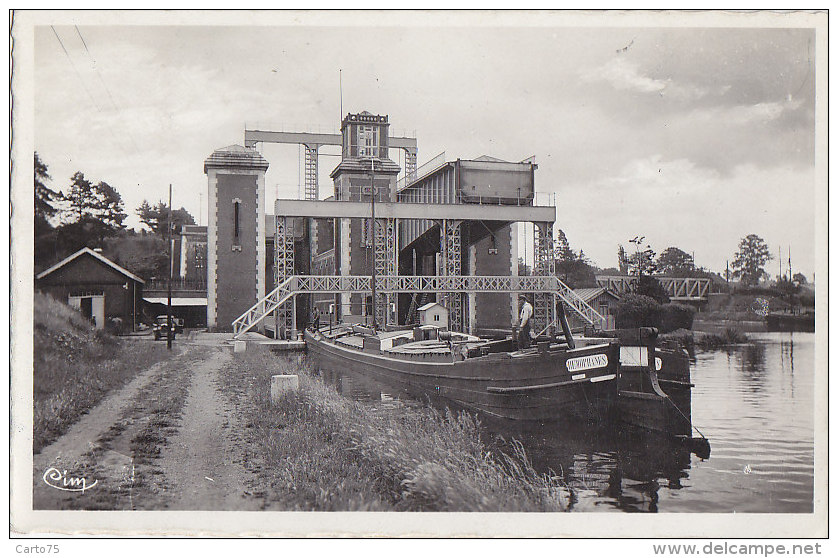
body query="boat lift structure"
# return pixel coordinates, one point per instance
(452, 285)
(430, 206)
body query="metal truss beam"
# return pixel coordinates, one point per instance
(544, 304)
(451, 240)
(311, 188)
(386, 264)
(410, 158)
(678, 288)
(333, 284)
(283, 269)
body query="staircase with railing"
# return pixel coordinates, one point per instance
(265, 307)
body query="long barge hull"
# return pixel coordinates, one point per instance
(536, 385)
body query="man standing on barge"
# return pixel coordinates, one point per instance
(524, 327)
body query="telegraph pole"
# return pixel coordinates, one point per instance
(372, 197)
(171, 258)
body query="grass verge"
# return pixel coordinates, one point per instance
(75, 366)
(317, 450)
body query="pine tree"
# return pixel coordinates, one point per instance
(156, 217)
(44, 198)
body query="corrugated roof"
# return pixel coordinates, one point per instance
(96, 255)
(593, 292)
(429, 305)
(590, 293)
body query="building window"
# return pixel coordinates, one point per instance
(236, 223)
(603, 308)
(367, 141)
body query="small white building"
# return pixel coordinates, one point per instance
(433, 314)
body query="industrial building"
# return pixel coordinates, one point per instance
(444, 233)
(99, 288)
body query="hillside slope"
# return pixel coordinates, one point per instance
(74, 366)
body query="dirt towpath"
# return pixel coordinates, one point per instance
(67, 453)
(202, 462)
(167, 440)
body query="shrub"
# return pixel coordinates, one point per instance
(651, 287)
(638, 311)
(676, 316)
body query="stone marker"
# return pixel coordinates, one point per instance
(239, 346)
(283, 383)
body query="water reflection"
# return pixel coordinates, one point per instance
(605, 467)
(751, 361)
(753, 402)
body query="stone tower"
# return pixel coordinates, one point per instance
(235, 233)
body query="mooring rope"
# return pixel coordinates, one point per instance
(685, 417)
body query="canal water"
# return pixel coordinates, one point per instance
(754, 403)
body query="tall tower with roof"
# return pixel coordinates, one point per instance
(235, 233)
(365, 169)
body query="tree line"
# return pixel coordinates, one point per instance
(92, 214)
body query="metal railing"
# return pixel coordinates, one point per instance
(178, 284)
(332, 284)
(423, 170)
(264, 307)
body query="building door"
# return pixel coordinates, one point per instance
(91, 307)
(86, 307)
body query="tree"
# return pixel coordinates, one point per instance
(44, 198)
(571, 267)
(622, 259)
(676, 262)
(643, 259)
(563, 250)
(81, 197)
(750, 259)
(111, 209)
(799, 278)
(523, 268)
(157, 216)
(96, 211)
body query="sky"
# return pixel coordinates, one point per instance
(691, 137)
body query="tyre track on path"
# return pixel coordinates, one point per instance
(67, 453)
(202, 462)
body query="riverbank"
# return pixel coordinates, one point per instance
(317, 450)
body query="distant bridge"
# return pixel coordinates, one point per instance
(679, 289)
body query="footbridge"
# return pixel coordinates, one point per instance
(679, 289)
(294, 285)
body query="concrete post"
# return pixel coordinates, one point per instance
(282, 384)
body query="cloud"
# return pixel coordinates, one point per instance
(624, 75)
(675, 202)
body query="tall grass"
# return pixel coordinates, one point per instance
(730, 336)
(690, 340)
(322, 451)
(75, 366)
